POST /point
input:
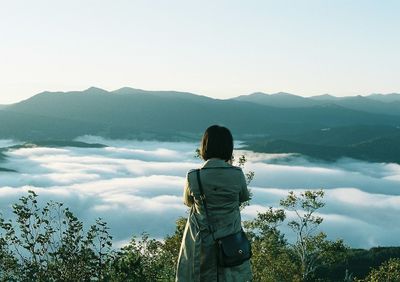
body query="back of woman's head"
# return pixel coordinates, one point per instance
(217, 142)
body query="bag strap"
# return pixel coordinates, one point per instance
(203, 199)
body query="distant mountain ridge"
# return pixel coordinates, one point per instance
(129, 113)
(388, 98)
(176, 116)
(374, 103)
(281, 99)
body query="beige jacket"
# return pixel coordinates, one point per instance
(225, 188)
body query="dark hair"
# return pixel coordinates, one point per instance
(217, 142)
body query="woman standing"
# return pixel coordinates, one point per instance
(224, 187)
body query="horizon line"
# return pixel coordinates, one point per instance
(197, 94)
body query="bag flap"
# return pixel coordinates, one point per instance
(235, 244)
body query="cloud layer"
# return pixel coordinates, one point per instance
(136, 186)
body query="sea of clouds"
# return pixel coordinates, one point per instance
(137, 187)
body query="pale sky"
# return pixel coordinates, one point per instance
(215, 48)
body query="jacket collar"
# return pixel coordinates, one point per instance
(211, 163)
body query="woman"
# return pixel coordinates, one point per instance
(225, 188)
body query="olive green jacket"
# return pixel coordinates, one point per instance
(225, 188)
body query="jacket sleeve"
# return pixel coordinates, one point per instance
(187, 194)
(244, 194)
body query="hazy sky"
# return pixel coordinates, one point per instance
(215, 48)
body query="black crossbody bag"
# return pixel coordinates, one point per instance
(233, 249)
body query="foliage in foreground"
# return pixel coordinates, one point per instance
(389, 271)
(51, 244)
(275, 259)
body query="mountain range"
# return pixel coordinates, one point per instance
(281, 122)
(374, 103)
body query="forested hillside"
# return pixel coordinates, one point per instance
(324, 127)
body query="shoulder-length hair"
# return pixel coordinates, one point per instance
(217, 142)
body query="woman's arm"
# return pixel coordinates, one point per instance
(187, 194)
(244, 194)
